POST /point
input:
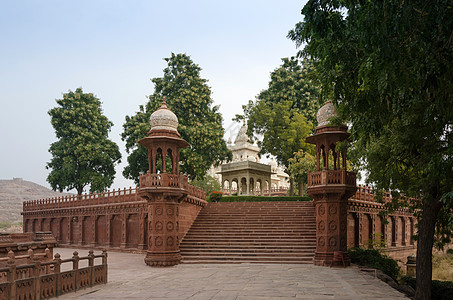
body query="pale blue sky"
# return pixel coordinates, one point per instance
(113, 49)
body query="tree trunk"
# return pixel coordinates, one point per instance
(291, 186)
(425, 249)
(79, 190)
(301, 188)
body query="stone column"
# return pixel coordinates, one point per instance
(331, 227)
(163, 230)
(141, 244)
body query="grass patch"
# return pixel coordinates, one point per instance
(443, 266)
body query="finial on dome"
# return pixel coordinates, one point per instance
(164, 103)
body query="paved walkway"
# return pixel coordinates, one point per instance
(130, 278)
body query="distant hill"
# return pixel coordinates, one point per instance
(14, 192)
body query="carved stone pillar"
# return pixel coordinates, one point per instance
(163, 229)
(124, 230)
(331, 227)
(141, 244)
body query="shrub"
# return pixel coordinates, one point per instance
(440, 290)
(215, 196)
(374, 259)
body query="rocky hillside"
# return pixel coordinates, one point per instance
(14, 192)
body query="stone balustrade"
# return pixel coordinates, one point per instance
(42, 280)
(331, 177)
(116, 196)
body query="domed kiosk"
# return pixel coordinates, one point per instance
(330, 187)
(163, 187)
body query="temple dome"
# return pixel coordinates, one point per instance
(242, 135)
(326, 112)
(164, 119)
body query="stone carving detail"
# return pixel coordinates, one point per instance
(321, 241)
(332, 210)
(159, 226)
(332, 241)
(321, 210)
(159, 241)
(170, 241)
(159, 211)
(332, 226)
(169, 211)
(321, 226)
(150, 241)
(170, 226)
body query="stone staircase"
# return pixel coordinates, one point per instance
(252, 232)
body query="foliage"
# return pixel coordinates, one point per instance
(299, 165)
(215, 196)
(200, 123)
(377, 242)
(374, 259)
(284, 114)
(441, 290)
(83, 155)
(389, 65)
(263, 198)
(208, 184)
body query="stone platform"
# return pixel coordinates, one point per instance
(130, 278)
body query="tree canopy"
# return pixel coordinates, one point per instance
(285, 113)
(390, 66)
(200, 123)
(83, 155)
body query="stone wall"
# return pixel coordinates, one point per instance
(393, 232)
(113, 220)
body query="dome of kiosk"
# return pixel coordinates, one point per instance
(242, 135)
(164, 119)
(325, 113)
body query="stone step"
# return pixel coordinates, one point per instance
(242, 259)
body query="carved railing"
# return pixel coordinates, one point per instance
(367, 194)
(43, 280)
(117, 196)
(164, 180)
(108, 197)
(331, 177)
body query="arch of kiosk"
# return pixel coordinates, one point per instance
(155, 216)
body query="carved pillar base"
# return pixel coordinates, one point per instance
(325, 259)
(331, 224)
(163, 228)
(166, 259)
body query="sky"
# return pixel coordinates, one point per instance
(113, 48)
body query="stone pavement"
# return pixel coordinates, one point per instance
(130, 278)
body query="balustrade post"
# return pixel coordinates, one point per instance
(37, 278)
(11, 276)
(75, 268)
(91, 265)
(104, 263)
(57, 271)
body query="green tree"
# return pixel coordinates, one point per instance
(284, 114)
(299, 165)
(83, 155)
(208, 184)
(200, 123)
(390, 66)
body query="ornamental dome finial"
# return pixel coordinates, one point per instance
(163, 118)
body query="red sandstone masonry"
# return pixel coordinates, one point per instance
(114, 219)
